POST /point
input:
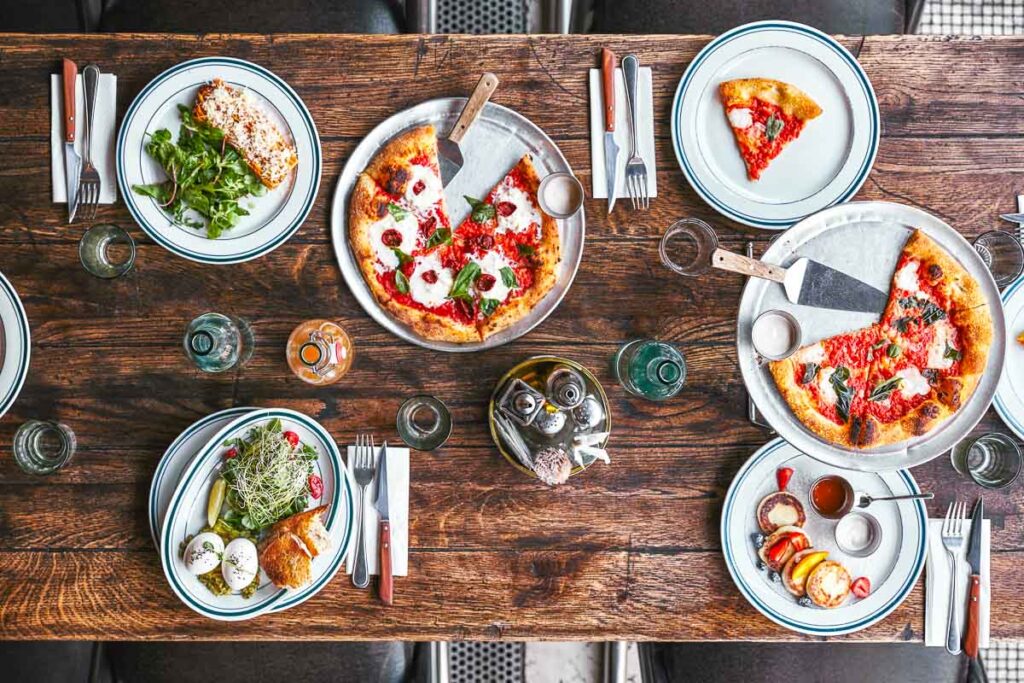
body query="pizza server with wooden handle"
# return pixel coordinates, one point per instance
(808, 282)
(449, 151)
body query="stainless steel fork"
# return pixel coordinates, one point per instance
(89, 182)
(636, 169)
(952, 541)
(363, 467)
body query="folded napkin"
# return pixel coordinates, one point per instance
(937, 580)
(102, 143)
(398, 506)
(623, 137)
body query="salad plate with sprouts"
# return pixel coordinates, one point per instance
(260, 520)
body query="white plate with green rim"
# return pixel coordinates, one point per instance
(186, 515)
(1009, 398)
(273, 217)
(893, 568)
(15, 344)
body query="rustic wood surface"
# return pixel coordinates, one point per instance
(627, 551)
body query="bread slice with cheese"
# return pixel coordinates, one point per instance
(247, 128)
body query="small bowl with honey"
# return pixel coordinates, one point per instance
(832, 496)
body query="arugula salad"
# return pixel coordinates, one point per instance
(204, 174)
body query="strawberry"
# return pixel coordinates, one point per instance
(782, 477)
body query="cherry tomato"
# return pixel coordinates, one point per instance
(231, 453)
(316, 486)
(782, 477)
(292, 438)
(861, 587)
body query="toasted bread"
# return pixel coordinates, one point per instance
(309, 527)
(779, 509)
(828, 584)
(285, 560)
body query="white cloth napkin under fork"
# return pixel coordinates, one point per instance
(398, 509)
(936, 604)
(102, 144)
(644, 133)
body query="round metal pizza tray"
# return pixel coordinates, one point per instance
(863, 239)
(497, 140)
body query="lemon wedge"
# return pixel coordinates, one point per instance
(805, 565)
(213, 505)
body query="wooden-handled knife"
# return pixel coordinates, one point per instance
(972, 635)
(72, 162)
(611, 150)
(387, 581)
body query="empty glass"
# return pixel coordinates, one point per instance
(424, 423)
(1002, 253)
(43, 447)
(216, 343)
(687, 245)
(106, 251)
(991, 460)
(650, 369)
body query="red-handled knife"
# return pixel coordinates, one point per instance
(386, 581)
(972, 634)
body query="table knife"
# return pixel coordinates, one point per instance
(611, 150)
(808, 283)
(449, 152)
(1017, 218)
(72, 162)
(974, 585)
(386, 586)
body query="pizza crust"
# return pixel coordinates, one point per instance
(365, 210)
(389, 168)
(803, 404)
(790, 99)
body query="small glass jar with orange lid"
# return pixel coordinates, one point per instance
(319, 352)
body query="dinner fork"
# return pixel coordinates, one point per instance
(89, 182)
(636, 169)
(362, 469)
(952, 541)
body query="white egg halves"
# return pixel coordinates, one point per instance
(203, 553)
(240, 564)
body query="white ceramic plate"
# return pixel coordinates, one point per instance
(836, 237)
(497, 140)
(1009, 399)
(826, 165)
(893, 568)
(186, 514)
(274, 217)
(15, 344)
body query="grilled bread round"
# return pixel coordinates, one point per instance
(779, 509)
(828, 585)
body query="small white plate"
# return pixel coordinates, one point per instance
(1009, 398)
(15, 344)
(274, 217)
(186, 514)
(893, 568)
(827, 164)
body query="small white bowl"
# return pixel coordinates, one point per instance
(573, 187)
(872, 544)
(790, 320)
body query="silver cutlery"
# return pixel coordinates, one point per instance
(952, 541)
(362, 470)
(863, 499)
(386, 587)
(89, 184)
(611, 150)
(1017, 218)
(636, 169)
(972, 625)
(449, 152)
(72, 162)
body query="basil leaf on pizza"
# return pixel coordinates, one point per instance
(482, 211)
(882, 390)
(397, 212)
(464, 280)
(401, 282)
(487, 306)
(844, 395)
(810, 372)
(508, 278)
(772, 127)
(525, 249)
(439, 237)
(403, 258)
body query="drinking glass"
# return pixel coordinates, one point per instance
(106, 251)
(216, 342)
(992, 460)
(687, 245)
(650, 369)
(43, 447)
(424, 423)
(1002, 253)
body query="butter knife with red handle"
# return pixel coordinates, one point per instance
(972, 630)
(386, 577)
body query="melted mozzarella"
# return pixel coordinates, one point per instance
(906, 277)
(408, 227)
(525, 214)
(432, 191)
(741, 118)
(937, 347)
(491, 263)
(430, 294)
(914, 383)
(825, 388)
(811, 354)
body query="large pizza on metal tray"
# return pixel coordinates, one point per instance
(457, 285)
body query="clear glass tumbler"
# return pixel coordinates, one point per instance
(1002, 253)
(424, 423)
(42, 447)
(106, 251)
(650, 369)
(992, 460)
(216, 342)
(687, 246)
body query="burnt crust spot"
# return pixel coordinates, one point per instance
(949, 392)
(382, 209)
(863, 431)
(935, 271)
(396, 180)
(925, 415)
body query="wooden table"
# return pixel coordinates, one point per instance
(627, 551)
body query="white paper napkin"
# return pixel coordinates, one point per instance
(103, 135)
(937, 580)
(398, 506)
(623, 138)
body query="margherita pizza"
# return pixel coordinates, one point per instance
(904, 375)
(765, 116)
(459, 285)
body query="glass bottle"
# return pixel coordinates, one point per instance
(43, 447)
(650, 369)
(216, 342)
(319, 352)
